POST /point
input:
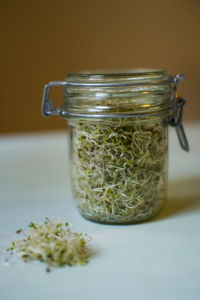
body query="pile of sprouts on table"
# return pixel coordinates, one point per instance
(119, 167)
(52, 243)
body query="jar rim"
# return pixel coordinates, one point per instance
(118, 77)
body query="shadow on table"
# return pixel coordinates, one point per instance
(183, 197)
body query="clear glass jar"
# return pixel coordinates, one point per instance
(119, 141)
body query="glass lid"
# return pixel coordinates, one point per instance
(118, 77)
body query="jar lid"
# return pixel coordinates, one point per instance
(119, 93)
(118, 77)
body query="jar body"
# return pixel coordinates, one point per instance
(119, 167)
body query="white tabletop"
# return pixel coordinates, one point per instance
(155, 260)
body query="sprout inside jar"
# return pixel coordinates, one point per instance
(119, 168)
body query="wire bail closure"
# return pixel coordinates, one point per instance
(48, 108)
(175, 121)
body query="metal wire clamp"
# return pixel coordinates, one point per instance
(176, 120)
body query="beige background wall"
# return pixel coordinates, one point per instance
(43, 40)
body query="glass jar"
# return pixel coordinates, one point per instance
(119, 140)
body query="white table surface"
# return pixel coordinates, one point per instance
(155, 260)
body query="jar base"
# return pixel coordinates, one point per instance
(114, 221)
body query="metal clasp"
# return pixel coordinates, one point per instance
(48, 108)
(176, 119)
